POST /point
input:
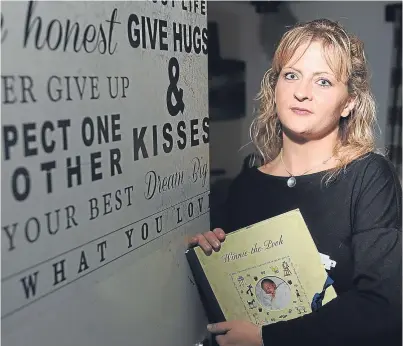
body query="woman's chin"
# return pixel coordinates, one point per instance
(297, 134)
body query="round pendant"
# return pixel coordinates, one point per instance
(291, 182)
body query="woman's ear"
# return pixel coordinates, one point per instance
(348, 107)
(275, 95)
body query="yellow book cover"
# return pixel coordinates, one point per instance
(267, 272)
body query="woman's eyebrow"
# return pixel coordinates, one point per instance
(315, 73)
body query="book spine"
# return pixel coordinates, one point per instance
(207, 297)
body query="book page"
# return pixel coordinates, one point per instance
(267, 272)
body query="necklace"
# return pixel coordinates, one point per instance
(292, 181)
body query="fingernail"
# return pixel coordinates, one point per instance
(216, 244)
(209, 327)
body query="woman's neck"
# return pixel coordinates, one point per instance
(301, 157)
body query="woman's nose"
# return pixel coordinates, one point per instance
(303, 91)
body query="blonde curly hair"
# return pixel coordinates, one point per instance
(345, 55)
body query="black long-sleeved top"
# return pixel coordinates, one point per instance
(356, 220)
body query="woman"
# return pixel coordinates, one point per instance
(315, 134)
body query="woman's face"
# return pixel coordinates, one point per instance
(309, 98)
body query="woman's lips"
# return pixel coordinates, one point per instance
(301, 111)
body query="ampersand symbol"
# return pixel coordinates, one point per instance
(173, 75)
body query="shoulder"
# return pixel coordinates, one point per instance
(244, 180)
(375, 162)
(378, 191)
(244, 188)
(374, 167)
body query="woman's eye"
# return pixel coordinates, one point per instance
(290, 76)
(324, 82)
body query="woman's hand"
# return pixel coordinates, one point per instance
(236, 333)
(209, 241)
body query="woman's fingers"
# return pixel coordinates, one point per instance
(220, 234)
(205, 244)
(208, 241)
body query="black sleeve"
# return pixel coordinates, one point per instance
(369, 314)
(235, 193)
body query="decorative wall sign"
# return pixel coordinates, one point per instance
(105, 134)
